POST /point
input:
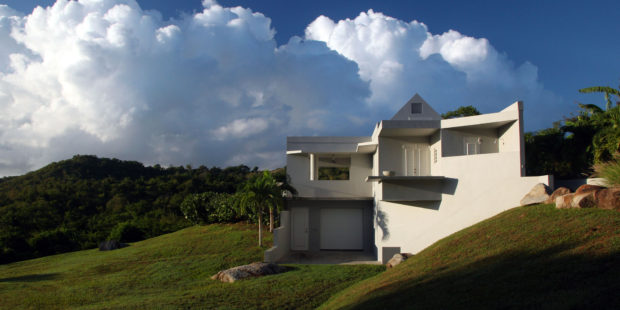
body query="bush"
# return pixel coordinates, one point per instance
(210, 207)
(610, 171)
(126, 232)
(194, 208)
(53, 242)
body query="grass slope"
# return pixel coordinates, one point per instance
(170, 272)
(527, 257)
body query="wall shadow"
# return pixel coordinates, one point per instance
(382, 221)
(32, 277)
(550, 279)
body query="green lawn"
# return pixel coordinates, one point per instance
(528, 257)
(171, 271)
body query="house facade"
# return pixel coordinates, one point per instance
(417, 179)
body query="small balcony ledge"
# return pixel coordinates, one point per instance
(402, 178)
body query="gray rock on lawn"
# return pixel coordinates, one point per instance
(248, 271)
(397, 259)
(538, 194)
(110, 245)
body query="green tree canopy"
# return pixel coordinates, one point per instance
(460, 112)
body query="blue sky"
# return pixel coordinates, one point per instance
(217, 85)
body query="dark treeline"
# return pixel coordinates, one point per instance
(573, 146)
(75, 204)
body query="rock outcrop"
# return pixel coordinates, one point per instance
(564, 201)
(588, 196)
(608, 198)
(110, 245)
(560, 191)
(538, 194)
(586, 188)
(248, 271)
(397, 259)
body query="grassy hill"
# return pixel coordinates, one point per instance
(528, 257)
(170, 272)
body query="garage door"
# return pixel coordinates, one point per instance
(341, 229)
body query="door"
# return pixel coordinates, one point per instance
(299, 229)
(416, 159)
(341, 229)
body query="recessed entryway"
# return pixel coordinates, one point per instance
(341, 229)
(299, 231)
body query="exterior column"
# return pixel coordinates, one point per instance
(312, 168)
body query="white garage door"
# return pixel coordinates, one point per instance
(341, 229)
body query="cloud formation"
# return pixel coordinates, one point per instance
(213, 88)
(399, 58)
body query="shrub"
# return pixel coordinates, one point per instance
(210, 207)
(53, 242)
(126, 232)
(610, 171)
(194, 208)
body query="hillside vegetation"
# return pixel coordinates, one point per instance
(528, 257)
(171, 271)
(77, 203)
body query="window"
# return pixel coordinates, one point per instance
(334, 167)
(434, 155)
(416, 108)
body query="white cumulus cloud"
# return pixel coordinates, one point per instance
(400, 58)
(107, 78)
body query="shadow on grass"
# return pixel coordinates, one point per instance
(549, 279)
(32, 278)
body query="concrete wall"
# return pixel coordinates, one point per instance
(314, 209)
(298, 167)
(478, 187)
(281, 239)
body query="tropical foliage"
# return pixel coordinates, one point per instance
(571, 147)
(77, 203)
(260, 194)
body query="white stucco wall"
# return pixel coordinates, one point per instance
(298, 167)
(486, 184)
(281, 240)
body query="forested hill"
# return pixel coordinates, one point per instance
(77, 203)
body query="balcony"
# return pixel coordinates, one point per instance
(410, 188)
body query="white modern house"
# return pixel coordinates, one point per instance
(417, 179)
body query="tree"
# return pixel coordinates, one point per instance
(258, 194)
(606, 139)
(460, 112)
(606, 90)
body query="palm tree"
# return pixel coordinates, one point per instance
(260, 193)
(603, 89)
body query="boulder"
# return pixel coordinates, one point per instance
(538, 194)
(583, 200)
(248, 271)
(560, 191)
(110, 245)
(397, 259)
(588, 188)
(564, 201)
(608, 198)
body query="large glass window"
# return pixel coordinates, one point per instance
(335, 167)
